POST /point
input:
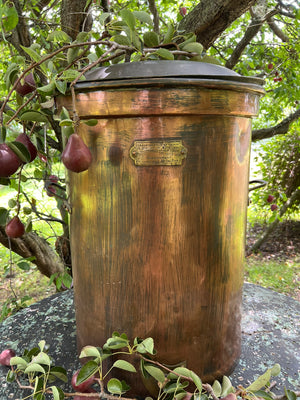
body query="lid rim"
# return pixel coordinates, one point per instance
(165, 69)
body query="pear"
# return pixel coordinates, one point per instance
(5, 356)
(84, 386)
(15, 228)
(9, 161)
(24, 139)
(76, 155)
(28, 86)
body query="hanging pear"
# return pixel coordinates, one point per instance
(76, 155)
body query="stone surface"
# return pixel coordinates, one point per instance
(270, 334)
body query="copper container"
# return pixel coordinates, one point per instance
(158, 220)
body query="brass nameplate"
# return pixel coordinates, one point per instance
(158, 152)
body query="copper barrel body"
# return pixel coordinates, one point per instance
(158, 248)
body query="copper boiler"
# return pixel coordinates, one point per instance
(158, 220)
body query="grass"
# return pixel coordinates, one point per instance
(283, 277)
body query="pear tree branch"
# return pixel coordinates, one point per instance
(280, 129)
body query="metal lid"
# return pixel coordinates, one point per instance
(166, 69)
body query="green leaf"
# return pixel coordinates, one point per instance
(47, 90)
(3, 215)
(194, 47)
(121, 39)
(10, 377)
(11, 18)
(34, 368)
(19, 362)
(291, 395)
(42, 358)
(90, 351)
(59, 373)
(72, 53)
(20, 150)
(180, 371)
(61, 86)
(124, 365)
(58, 394)
(210, 60)
(263, 395)
(197, 381)
(11, 73)
(169, 35)
(35, 116)
(173, 387)
(42, 344)
(156, 372)
(129, 18)
(143, 17)
(66, 122)
(114, 386)
(91, 122)
(190, 38)
(217, 388)
(165, 54)
(260, 382)
(116, 343)
(226, 386)
(59, 37)
(103, 17)
(87, 371)
(151, 39)
(24, 266)
(146, 346)
(32, 54)
(275, 370)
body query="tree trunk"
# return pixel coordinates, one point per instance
(32, 245)
(210, 18)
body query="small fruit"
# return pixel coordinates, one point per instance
(9, 161)
(270, 66)
(51, 190)
(82, 387)
(15, 228)
(274, 207)
(270, 198)
(5, 356)
(183, 11)
(53, 178)
(24, 139)
(76, 155)
(28, 86)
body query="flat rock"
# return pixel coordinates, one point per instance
(270, 334)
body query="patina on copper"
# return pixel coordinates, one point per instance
(158, 247)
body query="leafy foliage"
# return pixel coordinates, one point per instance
(279, 165)
(176, 383)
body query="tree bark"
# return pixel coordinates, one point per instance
(209, 19)
(75, 17)
(32, 245)
(280, 129)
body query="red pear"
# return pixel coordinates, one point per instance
(24, 139)
(5, 356)
(15, 228)
(28, 86)
(9, 161)
(84, 386)
(76, 155)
